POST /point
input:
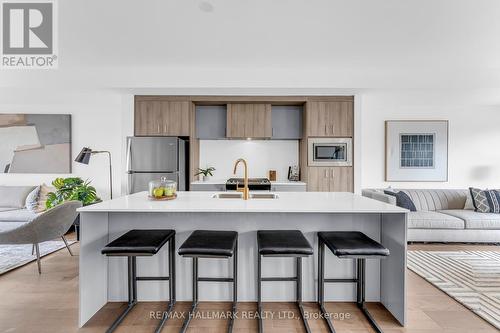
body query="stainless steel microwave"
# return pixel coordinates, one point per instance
(330, 152)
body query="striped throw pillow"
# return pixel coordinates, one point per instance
(485, 201)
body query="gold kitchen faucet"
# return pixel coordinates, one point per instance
(245, 181)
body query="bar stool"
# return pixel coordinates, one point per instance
(211, 244)
(282, 243)
(349, 245)
(137, 243)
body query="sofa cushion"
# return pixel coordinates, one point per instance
(14, 196)
(433, 220)
(434, 200)
(475, 220)
(6, 226)
(4, 209)
(17, 215)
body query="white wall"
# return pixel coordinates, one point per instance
(261, 155)
(96, 123)
(474, 135)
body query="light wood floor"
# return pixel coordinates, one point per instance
(48, 304)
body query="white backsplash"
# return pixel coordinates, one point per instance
(261, 155)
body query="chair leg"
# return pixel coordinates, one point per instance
(361, 269)
(38, 261)
(67, 246)
(259, 291)
(33, 249)
(195, 296)
(132, 293)
(171, 285)
(235, 288)
(299, 294)
(321, 285)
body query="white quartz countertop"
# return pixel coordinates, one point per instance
(223, 182)
(287, 202)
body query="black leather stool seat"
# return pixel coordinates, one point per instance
(209, 243)
(283, 242)
(352, 244)
(139, 242)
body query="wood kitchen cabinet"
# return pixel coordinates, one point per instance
(330, 179)
(162, 118)
(330, 118)
(250, 120)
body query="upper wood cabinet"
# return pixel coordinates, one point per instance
(330, 179)
(249, 121)
(330, 118)
(162, 118)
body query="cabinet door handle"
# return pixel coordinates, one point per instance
(326, 173)
(333, 130)
(158, 127)
(332, 173)
(326, 131)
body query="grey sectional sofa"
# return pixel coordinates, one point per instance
(13, 212)
(441, 217)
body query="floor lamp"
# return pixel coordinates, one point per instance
(84, 158)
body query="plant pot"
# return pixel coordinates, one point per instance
(206, 178)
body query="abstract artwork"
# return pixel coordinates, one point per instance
(35, 143)
(416, 150)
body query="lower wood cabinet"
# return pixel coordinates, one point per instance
(330, 179)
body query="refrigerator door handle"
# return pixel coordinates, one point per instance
(129, 154)
(129, 182)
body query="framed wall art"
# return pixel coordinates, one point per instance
(416, 151)
(35, 143)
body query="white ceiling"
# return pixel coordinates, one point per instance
(276, 43)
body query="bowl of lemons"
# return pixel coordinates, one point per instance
(162, 189)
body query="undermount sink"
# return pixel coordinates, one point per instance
(263, 196)
(239, 195)
(228, 195)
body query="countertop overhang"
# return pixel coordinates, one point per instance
(288, 202)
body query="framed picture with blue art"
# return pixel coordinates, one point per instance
(416, 150)
(35, 143)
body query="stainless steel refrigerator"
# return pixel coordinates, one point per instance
(150, 158)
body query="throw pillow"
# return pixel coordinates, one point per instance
(469, 202)
(402, 200)
(485, 201)
(42, 198)
(32, 199)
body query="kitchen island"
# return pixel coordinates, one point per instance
(104, 279)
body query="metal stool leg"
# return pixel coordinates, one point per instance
(259, 290)
(361, 263)
(195, 296)
(132, 293)
(299, 294)
(235, 288)
(321, 285)
(171, 285)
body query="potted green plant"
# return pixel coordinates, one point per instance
(72, 188)
(207, 173)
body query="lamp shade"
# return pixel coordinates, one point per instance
(84, 156)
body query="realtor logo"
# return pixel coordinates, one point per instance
(28, 34)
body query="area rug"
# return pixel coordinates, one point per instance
(13, 256)
(470, 277)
